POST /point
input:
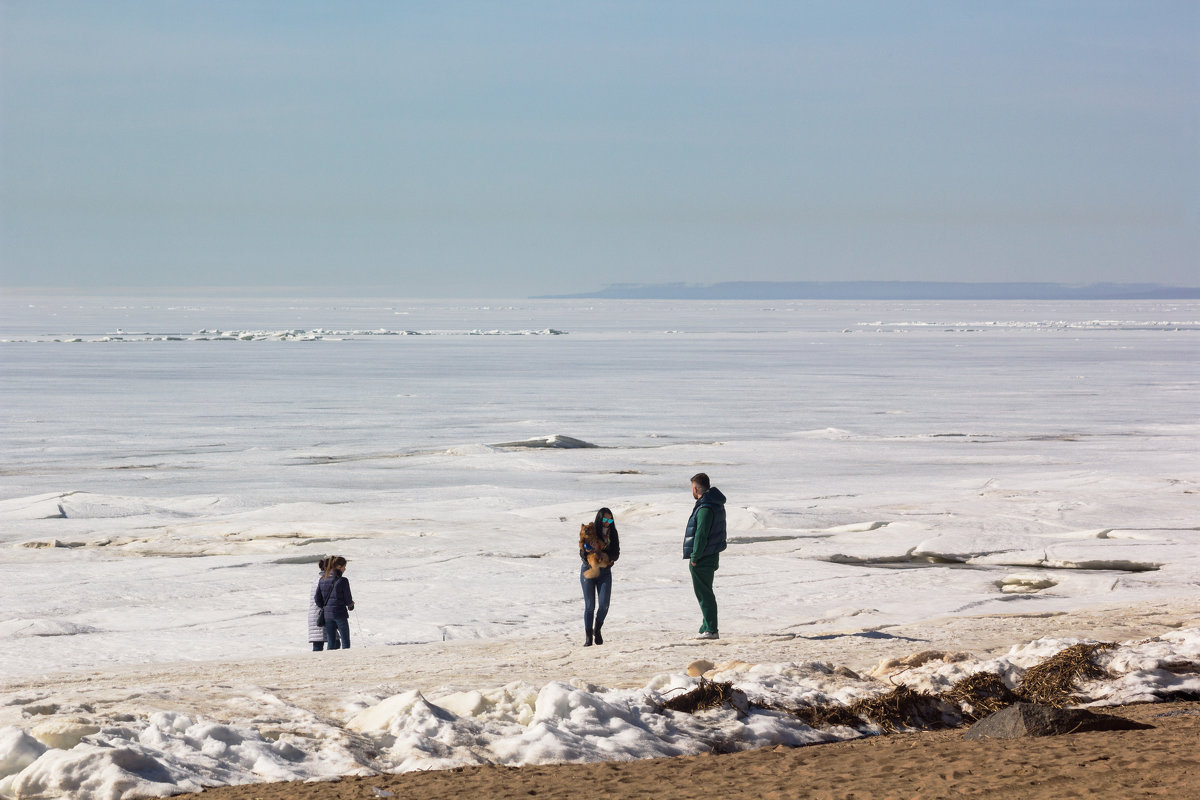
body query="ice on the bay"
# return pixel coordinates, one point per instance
(166, 499)
(1025, 583)
(18, 627)
(289, 335)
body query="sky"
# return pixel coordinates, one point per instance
(453, 149)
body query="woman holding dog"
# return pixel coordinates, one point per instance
(598, 590)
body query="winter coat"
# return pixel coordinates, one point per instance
(316, 633)
(715, 542)
(333, 594)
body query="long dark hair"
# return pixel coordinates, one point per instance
(605, 513)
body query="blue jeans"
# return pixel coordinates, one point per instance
(337, 633)
(593, 588)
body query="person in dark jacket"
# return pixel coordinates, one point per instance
(703, 541)
(316, 633)
(597, 591)
(333, 595)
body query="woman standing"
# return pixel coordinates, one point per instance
(598, 590)
(316, 631)
(333, 595)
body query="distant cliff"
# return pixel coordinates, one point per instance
(888, 290)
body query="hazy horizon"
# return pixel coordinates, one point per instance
(748, 290)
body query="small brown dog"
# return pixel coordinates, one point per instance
(590, 543)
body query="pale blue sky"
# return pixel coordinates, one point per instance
(506, 149)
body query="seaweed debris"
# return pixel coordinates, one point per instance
(1053, 681)
(905, 708)
(981, 694)
(828, 715)
(706, 696)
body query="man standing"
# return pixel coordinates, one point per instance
(703, 542)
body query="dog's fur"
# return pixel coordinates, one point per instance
(597, 558)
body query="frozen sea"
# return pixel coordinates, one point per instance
(173, 467)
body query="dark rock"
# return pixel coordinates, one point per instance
(555, 442)
(1027, 719)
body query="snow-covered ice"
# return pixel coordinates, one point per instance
(166, 493)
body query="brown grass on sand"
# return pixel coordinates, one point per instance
(706, 696)
(981, 694)
(1162, 762)
(903, 708)
(1053, 681)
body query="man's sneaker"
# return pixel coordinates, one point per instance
(707, 635)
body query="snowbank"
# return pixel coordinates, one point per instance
(85, 757)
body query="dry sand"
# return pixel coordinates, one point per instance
(1163, 763)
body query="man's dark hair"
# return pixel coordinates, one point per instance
(701, 480)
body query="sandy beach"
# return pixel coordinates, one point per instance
(1158, 762)
(1162, 762)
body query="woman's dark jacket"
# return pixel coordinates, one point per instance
(613, 550)
(333, 595)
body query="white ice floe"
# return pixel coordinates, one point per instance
(1025, 583)
(168, 754)
(1046, 325)
(17, 628)
(17, 750)
(292, 335)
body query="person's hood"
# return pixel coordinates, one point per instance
(712, 497)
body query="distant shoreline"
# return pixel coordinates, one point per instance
(884, 290)
(729, 290)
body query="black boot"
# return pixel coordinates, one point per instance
(588, 642)
(599, 638)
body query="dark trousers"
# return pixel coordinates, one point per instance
(702, 583)
(596, 594)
